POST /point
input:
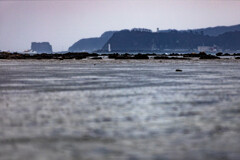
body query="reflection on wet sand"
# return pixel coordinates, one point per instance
(114, 109)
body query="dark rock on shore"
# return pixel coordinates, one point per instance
(171, 58)
(124, 56)
(227, 54)
(174, 54)
(6, 55)
(236, 54)
(128, 56)
(191, 55)
(219, 54)
(113, 56)
(140, 56)
(203, 55)
(83, 55)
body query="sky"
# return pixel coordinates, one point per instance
(63, 22)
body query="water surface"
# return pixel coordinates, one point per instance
(119, 109)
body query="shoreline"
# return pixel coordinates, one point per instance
(117, 56)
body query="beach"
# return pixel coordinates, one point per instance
(120, 109)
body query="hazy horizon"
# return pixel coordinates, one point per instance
(62, 23)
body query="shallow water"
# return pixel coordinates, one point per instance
(119, 109)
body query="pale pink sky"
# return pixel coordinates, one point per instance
(63, 22)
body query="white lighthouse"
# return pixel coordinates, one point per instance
(109, 47)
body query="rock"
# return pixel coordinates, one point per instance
(178, 70)
(113, 56)
(209, 57)
(227, 54)
(203, 55)
(219, 54)
(96, 58)
(191, 55)
(171, 58)
(140, 56)
(123, 56)
(236, 54)
(41, 47)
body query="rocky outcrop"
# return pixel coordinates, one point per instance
(41, 47)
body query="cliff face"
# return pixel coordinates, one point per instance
(225, 37)
(151, 41)
(91, 44)
(41, 47)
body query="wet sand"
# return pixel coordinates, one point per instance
(119, 109)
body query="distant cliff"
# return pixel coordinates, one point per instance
(225, 37)
(41, 47)
(216, 31)
(210, 31)
(127, 40)
(91, 44)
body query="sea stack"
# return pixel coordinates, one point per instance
(41, 47)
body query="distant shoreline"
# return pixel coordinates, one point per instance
(139, 56)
